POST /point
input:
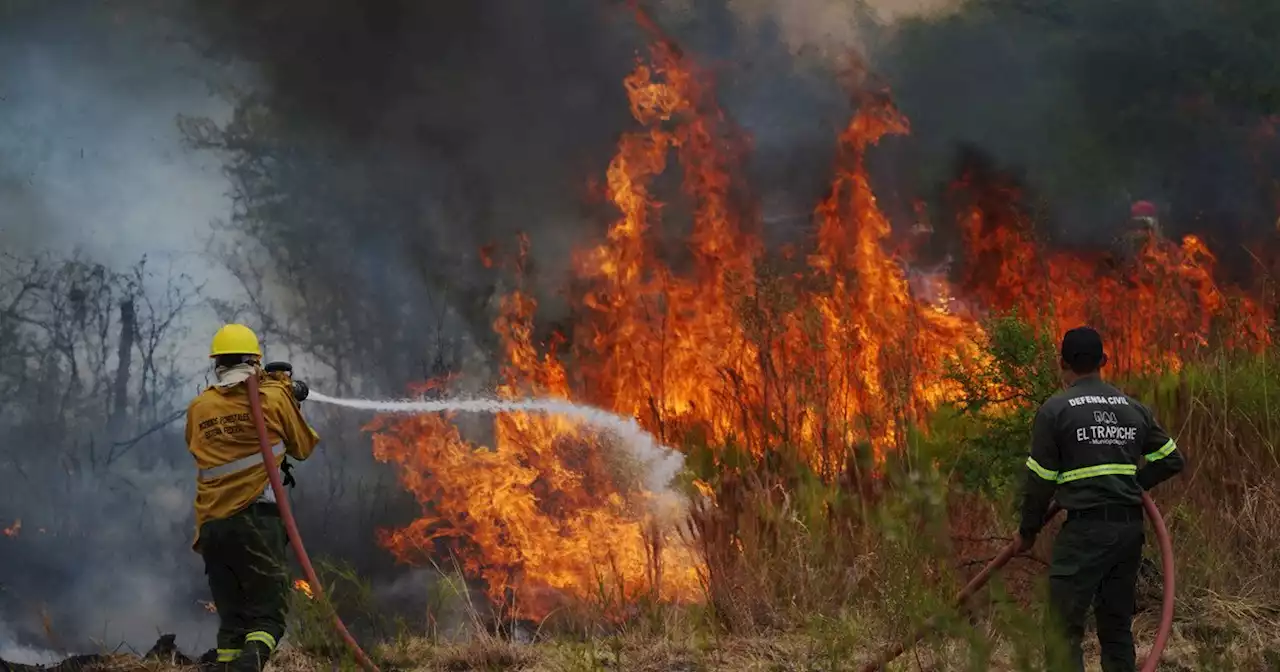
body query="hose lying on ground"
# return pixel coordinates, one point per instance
(1166, 609)
(295, 539)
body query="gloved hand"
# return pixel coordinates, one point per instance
(300, 389)
(286, 470)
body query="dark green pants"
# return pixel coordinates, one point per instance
(244, 558)
(1095, 564)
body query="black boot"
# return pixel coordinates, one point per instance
(209, 662)
(252, 658)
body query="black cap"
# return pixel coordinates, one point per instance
(1082, 349)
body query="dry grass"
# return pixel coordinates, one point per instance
(777, 653)
(821, 646)
(1224, 513)
(485, 652)
(807, 574)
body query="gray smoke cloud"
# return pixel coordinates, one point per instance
(831, 28)
(92, 158)
(92, 166)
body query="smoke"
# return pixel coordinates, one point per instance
(106, 561)
(12, 652)
(401, 136)
(1093, 106)
(92, 166)
(468, 145)
(92, 159)
(833, 29)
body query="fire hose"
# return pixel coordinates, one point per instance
(977, 582)
(295, 539)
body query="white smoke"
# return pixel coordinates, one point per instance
(829, 27)
(92, 162)
(12, 652)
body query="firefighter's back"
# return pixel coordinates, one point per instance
(223, 440)
(1101, 431)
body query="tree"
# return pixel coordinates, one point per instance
(383, 147)
(91, 456)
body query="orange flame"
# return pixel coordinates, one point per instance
(13, 530)
(303, 587)
(1157, 309)
(830, 354)
(543, 512)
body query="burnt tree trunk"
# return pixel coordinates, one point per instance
(124, 361)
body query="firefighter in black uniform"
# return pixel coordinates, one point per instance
(1096, 450)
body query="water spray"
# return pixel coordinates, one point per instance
(661, 463)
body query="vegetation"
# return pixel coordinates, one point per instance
(807, 574)
(805, 568)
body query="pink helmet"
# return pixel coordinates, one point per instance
(1142, 209)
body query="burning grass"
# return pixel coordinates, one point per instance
(852, 426)
(852, 440)
(852, 436)
(797, 383)
(804, 573)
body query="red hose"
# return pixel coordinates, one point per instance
(295, 539)
(1166, 610)
(1166, 566)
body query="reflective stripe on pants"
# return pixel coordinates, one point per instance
(262, 637)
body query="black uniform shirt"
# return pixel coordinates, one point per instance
(1087, 445)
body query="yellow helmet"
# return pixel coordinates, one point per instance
(235, 339)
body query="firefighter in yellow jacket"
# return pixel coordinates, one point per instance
(239, 531)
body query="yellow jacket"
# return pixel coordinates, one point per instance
(222, 439)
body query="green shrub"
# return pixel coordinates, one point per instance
(982, 438)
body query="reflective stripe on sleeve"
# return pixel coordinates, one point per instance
(1165, 450)
(1041, 471)
(1098, 470)
(227, 655)
(239, 465)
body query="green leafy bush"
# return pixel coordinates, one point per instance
(982, 438)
